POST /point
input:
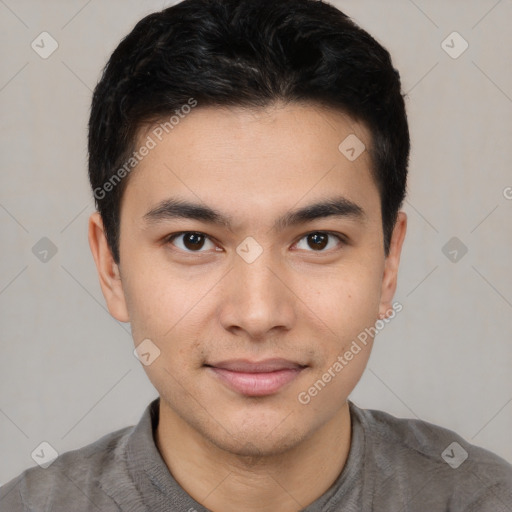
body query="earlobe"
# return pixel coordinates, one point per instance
(390, 275)
(108, 270)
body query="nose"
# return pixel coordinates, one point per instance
(258, 299)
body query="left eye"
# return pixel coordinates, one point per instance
(319, 240)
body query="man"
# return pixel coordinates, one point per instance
(249, 162)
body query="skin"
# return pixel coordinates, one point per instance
(230, 451)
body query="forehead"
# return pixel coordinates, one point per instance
(261, 157)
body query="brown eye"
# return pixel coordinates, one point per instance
(319, 240)
(193, 241)
(190, 241)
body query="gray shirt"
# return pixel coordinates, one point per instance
(393, 465)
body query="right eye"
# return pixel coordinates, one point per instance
(189, 241)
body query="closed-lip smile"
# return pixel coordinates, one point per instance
(256, 378)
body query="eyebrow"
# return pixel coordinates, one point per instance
(174, 208)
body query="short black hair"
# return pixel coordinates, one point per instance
(250, 54)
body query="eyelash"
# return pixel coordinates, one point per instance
(341, 239)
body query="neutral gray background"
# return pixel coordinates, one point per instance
(67, 371)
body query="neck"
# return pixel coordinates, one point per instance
(227, 482)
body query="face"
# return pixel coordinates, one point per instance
(251, 258)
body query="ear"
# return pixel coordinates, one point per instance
(390, 274)
(108, 270)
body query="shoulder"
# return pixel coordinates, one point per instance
(71, 482)
(435, 461)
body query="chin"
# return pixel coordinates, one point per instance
(250, 446)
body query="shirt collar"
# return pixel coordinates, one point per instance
(140, 481)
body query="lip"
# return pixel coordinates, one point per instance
(256, 378)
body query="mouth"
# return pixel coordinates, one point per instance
(256, 378)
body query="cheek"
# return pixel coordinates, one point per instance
(152, 301)
(167, 308)
(346, 314)
(162, 309)
(349, 299)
